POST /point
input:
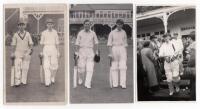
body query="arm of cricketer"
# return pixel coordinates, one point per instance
(41, 44)
(58, 51)
(96, 42)
(57, 45)
(13, 46)
(30, 44)
(109, 44)
(31, 49)
(96, 48)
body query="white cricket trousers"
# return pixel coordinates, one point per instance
(50, 63)
(172, 71)
(119, 65)
(22, 61)
(86, 64)
(172, 74)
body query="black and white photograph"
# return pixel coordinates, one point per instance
(166, 53)
(101, 53)
(34, 53)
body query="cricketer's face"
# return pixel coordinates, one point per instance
(21, 27)
(167, 38)
(119, 26)
(175, 36)
(87, 26)
(49, 26)
(155, 39)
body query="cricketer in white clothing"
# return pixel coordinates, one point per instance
(22, 46)
(85, 44)
(50, 42)
(117, 43)
(171, 64)
(178, 46)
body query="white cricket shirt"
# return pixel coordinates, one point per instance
(86, 39)
(22, 41)
(117, 38)
(166, 49)
(49, 37)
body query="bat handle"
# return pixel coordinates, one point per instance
(41, 60)
(13, 61)
(110, 58)
(75, 61)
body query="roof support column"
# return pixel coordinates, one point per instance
(21, 12)
(165, 22)
(23, 15)
(164, 19)
(38, 16)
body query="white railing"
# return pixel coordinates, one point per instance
(99, 20)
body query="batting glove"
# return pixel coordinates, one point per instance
(76, 55)
(41, 54)
(31, 51)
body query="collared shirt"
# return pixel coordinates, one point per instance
(22, 41)
(49, 37)
(166, 49)
(86, 39)
(117, 38)
(178, 45)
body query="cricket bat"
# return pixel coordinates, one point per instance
(75, 73)
(110, 74)
(13, 72)
(41, 70)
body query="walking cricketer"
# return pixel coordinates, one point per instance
(117, 43)
(50, 53)
(22, 49)
(171, 64)
(178, 47)
(85, 45)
